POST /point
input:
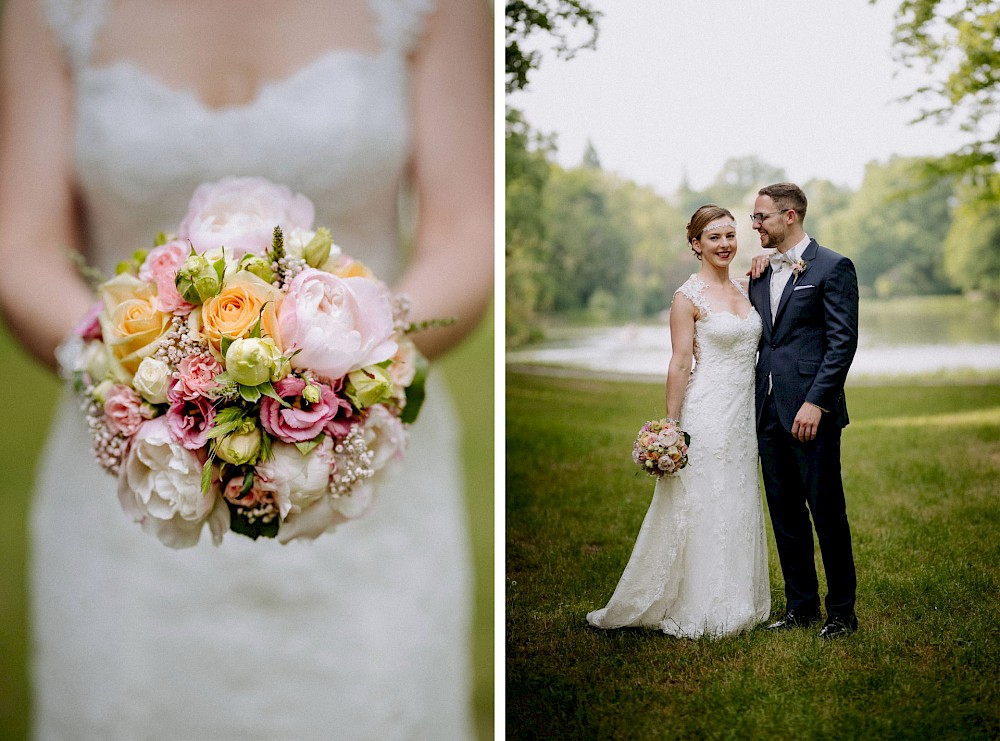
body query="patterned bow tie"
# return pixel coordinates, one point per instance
(779, 261)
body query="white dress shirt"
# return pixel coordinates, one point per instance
(779, 277)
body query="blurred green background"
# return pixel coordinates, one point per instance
(27, 394)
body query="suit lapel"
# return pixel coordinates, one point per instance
(808, 254)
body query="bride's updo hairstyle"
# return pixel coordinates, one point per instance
(701, 218)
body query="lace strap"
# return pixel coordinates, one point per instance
(75, 24)
(401, 22)
(741, 289)
(694, 290)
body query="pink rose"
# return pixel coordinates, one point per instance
(190, 419)
(161, 267)
(196, 376)
(123, 408)
(303, 420)
(338, 324)
(240, 214)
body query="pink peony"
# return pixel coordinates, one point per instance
(196, 376)
(161, 267)
(123, 408)
(240, 214)
(303, 420)
(338, 324)
(190, 419)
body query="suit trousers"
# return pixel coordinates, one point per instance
(799, 479)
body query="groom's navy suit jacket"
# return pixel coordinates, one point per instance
(808, 348)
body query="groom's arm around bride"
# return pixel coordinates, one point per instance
(808, 301)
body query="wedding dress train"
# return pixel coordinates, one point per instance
(361, 634)
(699, 566)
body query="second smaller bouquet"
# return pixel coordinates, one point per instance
(661, 448)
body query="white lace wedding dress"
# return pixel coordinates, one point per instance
(699, 566)
(362, 634)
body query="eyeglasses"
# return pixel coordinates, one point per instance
(759, 218)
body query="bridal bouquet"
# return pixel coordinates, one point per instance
(661, 448)
(245, 374)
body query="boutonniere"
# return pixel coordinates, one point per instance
(798, 268)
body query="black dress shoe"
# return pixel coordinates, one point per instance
(839, 626)
(795, 619)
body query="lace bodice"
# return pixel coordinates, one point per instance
(336, 130)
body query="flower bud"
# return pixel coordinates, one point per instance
(198, 279)
(252, 361)
(152, 380)
(259, 266)
(100, 391)
(311, 393)
(317, 251)
(369, 385)
(240, 447)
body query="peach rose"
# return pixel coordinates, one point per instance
(236, 309)
(131, 322)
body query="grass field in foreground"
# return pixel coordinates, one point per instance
(921, 466)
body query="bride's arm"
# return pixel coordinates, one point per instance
(41, 295)
(682, 317)
(451, 272)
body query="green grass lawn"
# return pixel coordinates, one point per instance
(921, 466)
(26, 396)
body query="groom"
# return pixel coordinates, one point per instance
(808, 300)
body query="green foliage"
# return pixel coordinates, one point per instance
(920, 466)
(894, 230)
(972, 248)
(526, 19)
(956, 43)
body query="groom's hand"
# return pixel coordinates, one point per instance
(806, 422)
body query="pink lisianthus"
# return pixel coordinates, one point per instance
(89, 326)
(123, 409)
(303, 420)
(337, 324)
(196, 376)
(161, 267)
(240, 214)
(190, 419)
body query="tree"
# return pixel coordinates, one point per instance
(971, 257)
(958, 38)
(894, 231)
(558, 19)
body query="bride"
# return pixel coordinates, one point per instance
(699, 566)
(112, 112)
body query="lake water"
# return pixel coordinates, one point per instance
(913, 337)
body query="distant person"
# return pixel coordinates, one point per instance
(699, 566)
(808, 298)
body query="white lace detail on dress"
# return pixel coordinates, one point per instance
(75, 24)
(699, 566)
(401, 21)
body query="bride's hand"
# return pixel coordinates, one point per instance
(758, 265)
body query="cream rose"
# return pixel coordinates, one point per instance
(131, 322)
(152, 380)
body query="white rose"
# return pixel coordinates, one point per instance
(152, 380)
(160, 488)
(296, 480)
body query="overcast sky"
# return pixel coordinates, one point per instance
(680, 86)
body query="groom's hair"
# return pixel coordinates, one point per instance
(787, 195)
